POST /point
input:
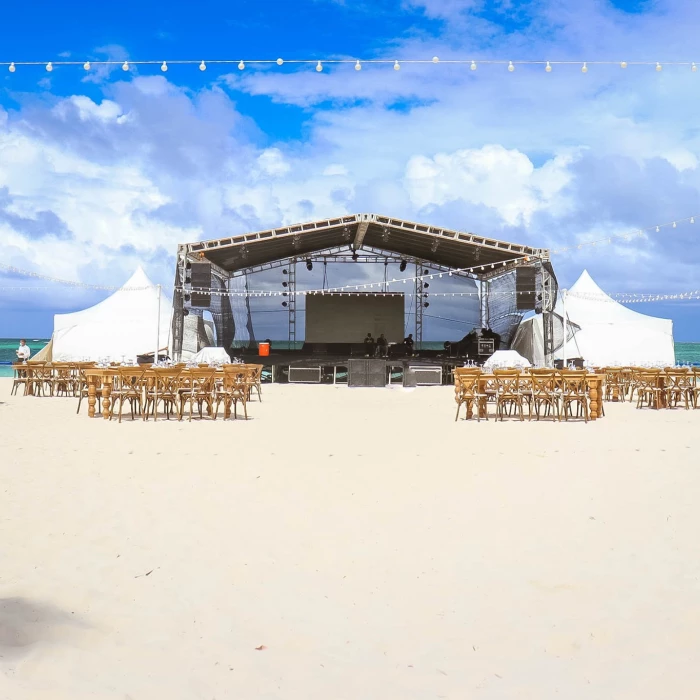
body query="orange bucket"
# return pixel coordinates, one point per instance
(263, 349)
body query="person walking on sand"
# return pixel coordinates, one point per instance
(23, 351)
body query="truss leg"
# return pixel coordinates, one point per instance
(418, 301)
(292, 304)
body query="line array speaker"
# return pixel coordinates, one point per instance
(201, 279)
(525, 287)
(367, 373)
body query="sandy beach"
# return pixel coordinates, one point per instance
(348, 544)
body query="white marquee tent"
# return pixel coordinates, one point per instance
(610, 334)
(124, 325)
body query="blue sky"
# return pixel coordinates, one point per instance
(102, 171)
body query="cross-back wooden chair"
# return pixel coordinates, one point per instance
(467, 392)
(508, 394)
(679, 387)
(128, 385)
(234, 388)
(20, 378)
(197, 387)
(696, 386)
(649, 389)
(545, 397)
(162, 388)
(574, 392)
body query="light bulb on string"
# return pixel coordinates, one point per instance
(12, 68)
(279, 61)
(241, 65)
(436, 59)
(358, 66)
(584, 68)
(657, 229)
(397, 66)
(692, 219)
(693, 67)
(49, 66)
(473, 65)
(658, 67)
(86, 65)
(548, 67)
(674, 224)
(623, 64)
(319, 67)
(511, 67)
(202, 66)
(125, 66)
(164, 67)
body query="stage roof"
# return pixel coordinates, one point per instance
(430, 244)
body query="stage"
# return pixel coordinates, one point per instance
(427, 367)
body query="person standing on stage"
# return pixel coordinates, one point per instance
(408, 344)
(369, 346)
(382, 345)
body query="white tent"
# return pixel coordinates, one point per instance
(610, 333)
(506, 359)
(123, 326)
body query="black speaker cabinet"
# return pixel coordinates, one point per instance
(201, 279)
(525, 287)
(367, 373)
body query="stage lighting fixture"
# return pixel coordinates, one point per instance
(426, 304)
(188, 265)
(309, 265)
(285, 284)
(285, 294)
(284, 272)
(186, 312)
(425, 272)
(187, 297)
(402, 266)
(425, 285)
(284, 303)
(355, 256)
(188, 278)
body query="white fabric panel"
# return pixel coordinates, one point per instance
(506, 358)
(611, 334)
(122, 326)
(240, 311)
(206, 355)
(348, 319)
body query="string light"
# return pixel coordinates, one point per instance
(164, 67)
(49, 66)
(693, 67)
(202, 66)
(358, 66)
(658, 67)
(548, 67)
(473, 65)
(279, 61)
(125, 66)
(511, 67)
(623, 64)
(584, 68)
(241, 65)
(436, 59)
(397, 66)
(319, 67)
(12, 68)
(86, 65)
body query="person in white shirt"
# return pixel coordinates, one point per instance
(23, 351)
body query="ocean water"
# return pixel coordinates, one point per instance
(686, 353)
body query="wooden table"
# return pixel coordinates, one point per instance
(102, 376)
(594, 382)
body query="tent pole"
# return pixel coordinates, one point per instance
(155, 356)
(155, 362)
(566, 328)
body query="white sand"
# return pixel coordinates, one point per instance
(377, 549)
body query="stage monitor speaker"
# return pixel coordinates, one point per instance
(427, 376)
(525, 287)
(304, 375)
(367, 373)
(201, 279)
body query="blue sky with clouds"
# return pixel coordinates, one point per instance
(104, 170)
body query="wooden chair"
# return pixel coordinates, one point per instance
(544, 395)
(162, 387)
(649, 389)
(197, 386)
(63, 380)
(696, 387)
(614, 384)
(679, 386)
(234, 388)
(20, 378)
(574, 392)
(128, 385)
(508, 395)
(467, 392)
(256, 379)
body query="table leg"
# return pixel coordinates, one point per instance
(594, 401)
(106, 393)
(92, 400)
